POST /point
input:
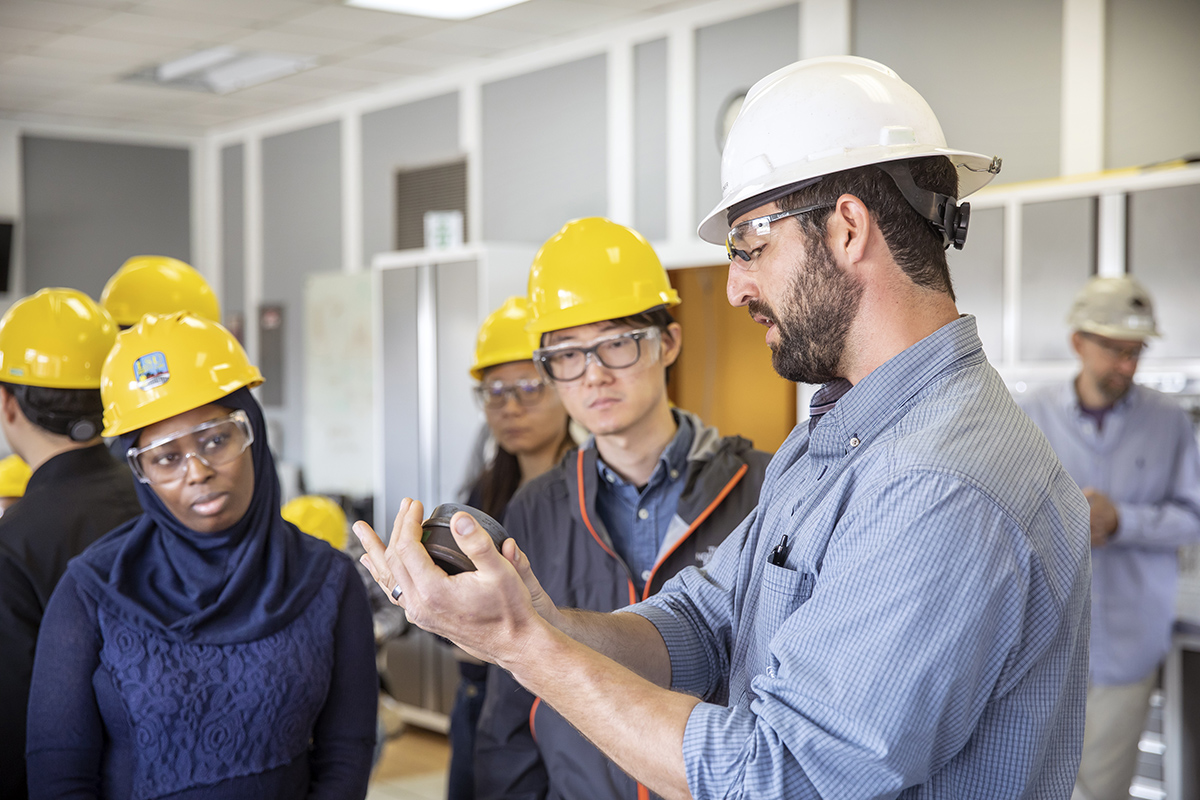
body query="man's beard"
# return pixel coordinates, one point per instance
(814, 320)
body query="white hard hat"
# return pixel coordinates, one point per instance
(1119, 308)
(825, 115)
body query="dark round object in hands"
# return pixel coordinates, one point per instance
(439, 540)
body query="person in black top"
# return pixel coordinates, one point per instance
(52, 346)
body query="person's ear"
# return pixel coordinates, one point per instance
(10, 409)
(672, 341)
(850, 229)
(1077, 343)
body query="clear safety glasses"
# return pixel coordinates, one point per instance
(493, 396)
(165, 461)
(747, 239)
(1116, 350)
(568, 362)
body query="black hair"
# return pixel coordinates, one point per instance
(658, 317)
(77, 413)
(502, 477)
(917, 248)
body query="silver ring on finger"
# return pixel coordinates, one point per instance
(396, 592)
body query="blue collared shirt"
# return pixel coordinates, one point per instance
(1146, 460)
(637, 520)
(926, 634)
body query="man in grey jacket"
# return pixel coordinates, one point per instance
(653, 491)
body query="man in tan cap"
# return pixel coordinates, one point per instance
(1133, 452)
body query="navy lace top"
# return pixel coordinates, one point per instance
(124, 712)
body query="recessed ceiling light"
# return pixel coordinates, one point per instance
(441, 9)
(221, 70)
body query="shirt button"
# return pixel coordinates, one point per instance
(771, 672)
(610, 477)
(646, 575)
(674, 474)
(643, 513)
(854, 442)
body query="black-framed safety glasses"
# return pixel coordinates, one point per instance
(568, 362)
(219, 441)
(493, 395)
(746, 239)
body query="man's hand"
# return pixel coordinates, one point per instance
(488, 612)
(1104, 516)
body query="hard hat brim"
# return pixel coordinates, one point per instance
(974, 172)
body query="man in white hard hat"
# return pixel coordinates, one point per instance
(904, 614)
(1133, 452)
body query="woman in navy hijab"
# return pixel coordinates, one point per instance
(207, 648)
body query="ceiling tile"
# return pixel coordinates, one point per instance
(469, 39)
(45, 15)
(21, 40)
(553, 17)
(230, 10)
(359, 23)
(396, 58)
(89, 49)
(171, 32)
(78, 71)
(295, 44)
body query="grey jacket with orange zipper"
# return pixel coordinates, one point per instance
(524, 750)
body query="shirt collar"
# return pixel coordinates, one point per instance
(672, 462)
(1069, 400)
(862, 411)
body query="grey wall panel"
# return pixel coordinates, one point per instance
(302, 235)
(650, 139)
(1058, 255)
(1153, 108)
(991, 71)
(233, 232)
(91, 205)
(978, 274)
(401, 403)
(1163, 247)
(544, 149)
(730, 58)
(412, 135)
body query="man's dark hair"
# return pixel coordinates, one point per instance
(916, 247)
(76, 413)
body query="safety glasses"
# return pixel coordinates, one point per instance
(494, 395)
(1118, 352)
(747, 239)
(568, 362)
(165, 461)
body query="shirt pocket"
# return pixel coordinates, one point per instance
(784, 591)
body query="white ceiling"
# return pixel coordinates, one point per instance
(62, 61)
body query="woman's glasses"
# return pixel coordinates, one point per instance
(165, 461)
(493, 396)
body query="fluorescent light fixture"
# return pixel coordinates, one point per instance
(221, 70)
(440, 9)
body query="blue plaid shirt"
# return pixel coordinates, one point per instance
(1146, 460)
(926, 633)
(636, 519)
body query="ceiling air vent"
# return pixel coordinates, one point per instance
(440, 187)
(221, 70)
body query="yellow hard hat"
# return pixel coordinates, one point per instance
(503, 337)
(164, 366)
(56, 338)
(14, 475)
(157, 285)
(317, 516)
(593, 270)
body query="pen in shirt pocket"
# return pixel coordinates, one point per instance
(779, 555)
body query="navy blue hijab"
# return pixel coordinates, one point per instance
(235, 585)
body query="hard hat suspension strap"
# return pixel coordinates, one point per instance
(945, 215)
